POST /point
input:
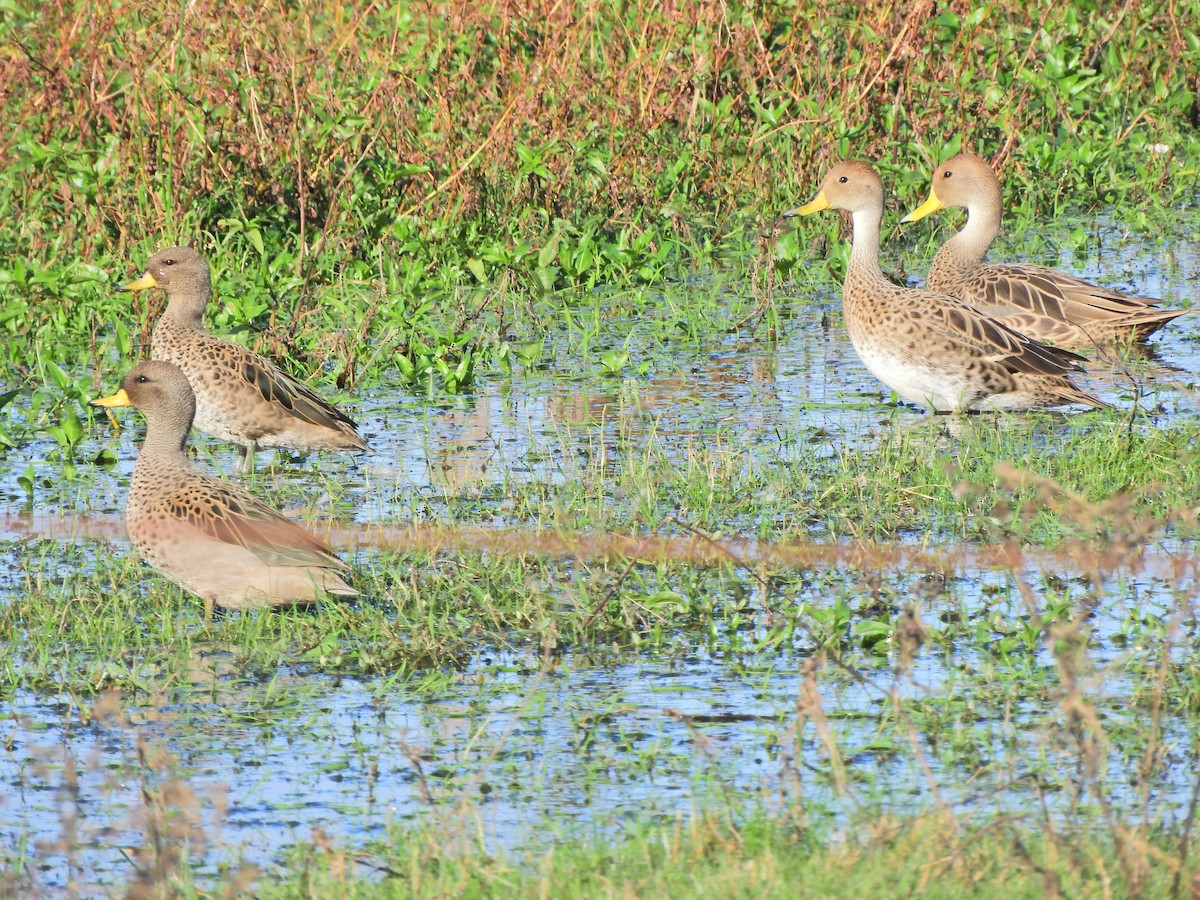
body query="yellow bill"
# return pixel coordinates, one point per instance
(120, 398)
(816, 204)
(141, 284)
(932, 205)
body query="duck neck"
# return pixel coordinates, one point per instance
(864, 244)
(186, 303)
(184, 311)
(972, 242)
(166, 434)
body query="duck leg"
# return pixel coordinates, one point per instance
(246, 458)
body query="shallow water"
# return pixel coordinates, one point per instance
(499, 747)
(504, 747)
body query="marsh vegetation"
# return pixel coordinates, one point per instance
(660, 592)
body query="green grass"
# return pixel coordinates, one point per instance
(930, 857)
(426, 165)
(1036, 674)
(444, 205)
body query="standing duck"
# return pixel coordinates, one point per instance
(212, 537)
(1044, 303)
(241, 397)
(931, 348)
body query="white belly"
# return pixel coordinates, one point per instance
(943, 388)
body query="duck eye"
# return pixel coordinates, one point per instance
(947, 174)
(843, 179)
(142, 379)
(168, 262)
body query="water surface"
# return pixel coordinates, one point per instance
(510, 750)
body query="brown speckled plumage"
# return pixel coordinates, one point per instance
(214, 538)
(241, 397)
(1044, 303)
(930, 348)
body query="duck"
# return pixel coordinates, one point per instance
(215, 539)
(241, 396)
(1045, 303)
(931, 348)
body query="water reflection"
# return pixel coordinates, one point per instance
(507, 742)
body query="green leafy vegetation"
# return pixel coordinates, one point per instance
(392, 168)
(661, 595)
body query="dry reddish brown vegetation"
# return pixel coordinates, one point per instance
(255, 108)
